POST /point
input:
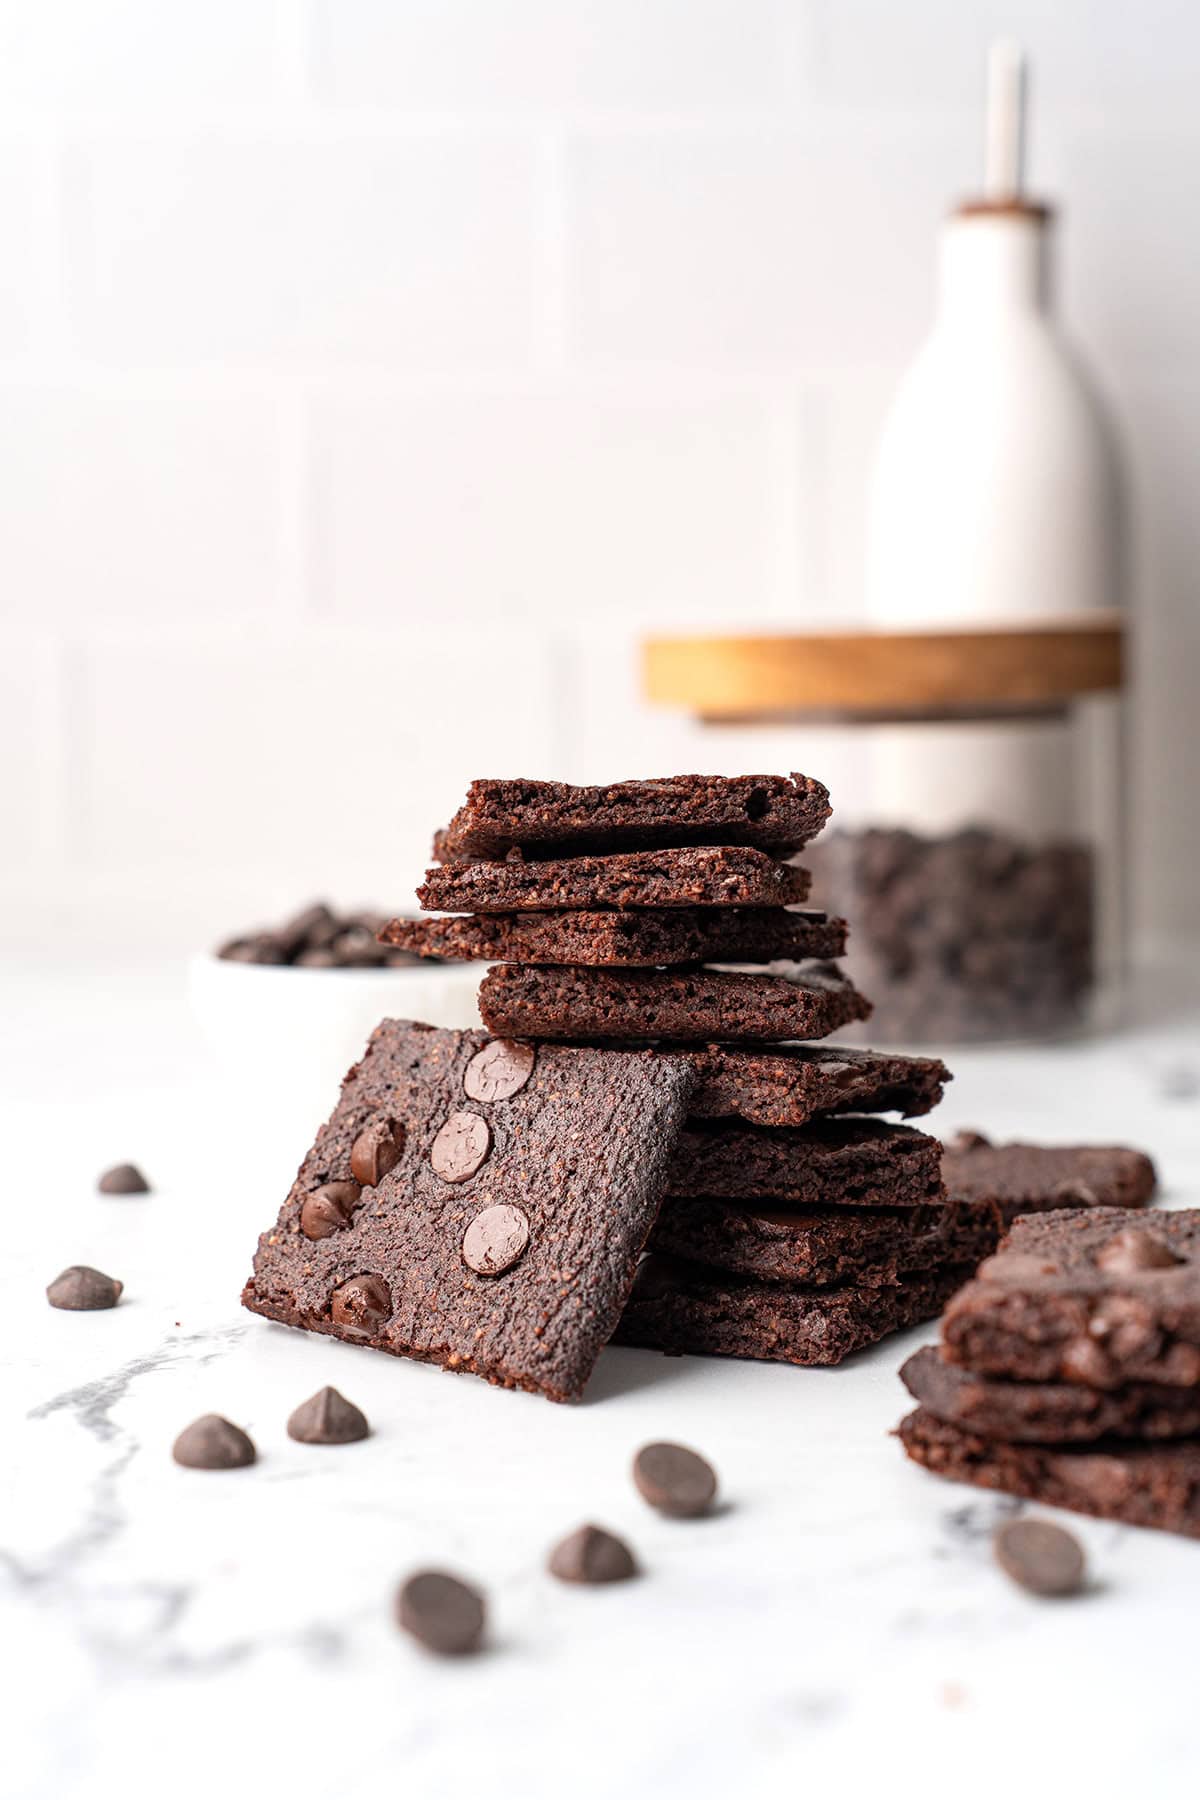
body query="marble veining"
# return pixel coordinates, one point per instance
(837, 1626)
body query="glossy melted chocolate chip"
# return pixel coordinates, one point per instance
(361, 1305)
(329, 1208)
(377, 1149)
(495, 1239)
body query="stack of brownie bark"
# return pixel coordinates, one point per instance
(796, 1225)
(1069, 1369)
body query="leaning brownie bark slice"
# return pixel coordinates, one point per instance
(793, 1083)
(871, 1246)
(1157, 1485)
(477, 1203)
(770, 811)
(1048, 1412)
(683, 1309)
(646, 939)
(832, 1162)
(1101, 1298)
(730, 876)
(552, 1002)
(1046, 1177)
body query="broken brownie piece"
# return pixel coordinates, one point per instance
(683, 1309)
(1046, 1177)
(477, 1203)
(1101, 1298)
(832, 1162)
(730, 876)
(1157, 1485)
(770, 811)
(789, 1084)
(651, 938)
(1047, 1412)
(555, 1002)
(871, 1246)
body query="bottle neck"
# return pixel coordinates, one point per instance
(993, 262)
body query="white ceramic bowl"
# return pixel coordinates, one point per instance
(287, 1036)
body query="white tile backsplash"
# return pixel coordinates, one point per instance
(553, 55)
(155, 500)
(373, 373)
(751, 247)
(407, 250)
(556, 508)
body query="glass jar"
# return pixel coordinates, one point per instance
(976, 843)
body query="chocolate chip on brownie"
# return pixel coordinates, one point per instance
(431, 1263)
(775, 811)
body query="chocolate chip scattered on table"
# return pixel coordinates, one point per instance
(1040, 1556)
(592, 1556)
(675, 1480)
(83, 1289)
(327, 1417)
(123, 1178)
(445, 1615)
(212, 1442)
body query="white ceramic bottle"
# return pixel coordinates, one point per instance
(996, 494)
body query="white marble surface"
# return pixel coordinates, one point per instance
(837, 1627)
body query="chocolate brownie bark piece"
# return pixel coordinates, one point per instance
(555, 1002)
(729, 876)
(478, 1205)
(1046, 1177)
(791, 1084)
(1101, 1298)
(649, 939)
(769, 811)
(683, 1309)
(872, 1246)
(1047, 1412)
(832, 1162)
(1157, 1485)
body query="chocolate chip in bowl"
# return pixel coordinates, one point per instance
(318, 937)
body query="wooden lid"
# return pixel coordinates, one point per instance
(888, 674)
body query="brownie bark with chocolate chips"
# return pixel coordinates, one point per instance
(1101, 1298)
(1048, 1412)
(832, 1162)
(770, 811)
(647, 939)
(1023, 1178)
(793, 1083)
(513, 1189)
(730, 876)
(872, 1246)
(1157, 1485)
(555, 1002)
(684, 1309)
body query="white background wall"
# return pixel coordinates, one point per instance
(373, 371)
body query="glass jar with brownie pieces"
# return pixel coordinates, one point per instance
(977, 843)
